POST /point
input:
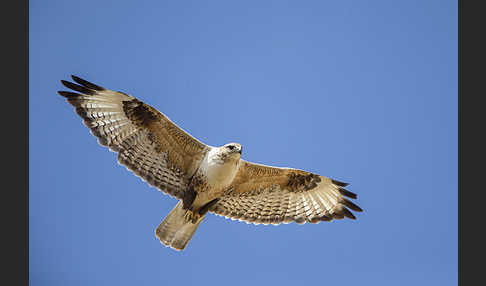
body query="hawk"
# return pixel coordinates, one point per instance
(203, 178)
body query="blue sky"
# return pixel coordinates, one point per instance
(360, 91)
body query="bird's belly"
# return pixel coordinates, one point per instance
(205, 197)
(213, 181)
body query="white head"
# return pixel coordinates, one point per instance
(221, 165)
(230, 152)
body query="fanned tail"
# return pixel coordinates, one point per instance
(174, 231)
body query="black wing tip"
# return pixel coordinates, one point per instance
(347, 193)
(76, 87)
(339, 183)
(67, 94)
(77, 79)
(66, 83)
(82, 86)
(348, 214)
(351, 205)
(86, 83)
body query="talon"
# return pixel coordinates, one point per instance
(188, 216)
(195, 217)
(191, 216)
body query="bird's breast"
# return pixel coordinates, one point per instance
(219, 175)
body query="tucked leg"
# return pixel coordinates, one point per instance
(189, 197)
(194, 216)
(187, 204)
(191, 216)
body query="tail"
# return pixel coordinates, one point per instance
(174, 231)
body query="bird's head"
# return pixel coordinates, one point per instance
(231, 151)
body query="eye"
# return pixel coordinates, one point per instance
(231, 147)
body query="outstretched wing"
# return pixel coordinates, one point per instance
(269, 195)
(147, 142)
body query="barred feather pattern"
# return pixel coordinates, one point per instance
(102, 111)
(276, 204)
(140, 156)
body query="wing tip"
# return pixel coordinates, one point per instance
(75, 78)
(65, 83)
(86, 83)
(82, 86)
(351, 205)
(347, 193)
(348, 214)
(79, 88)
(67, 94)
(339, 183)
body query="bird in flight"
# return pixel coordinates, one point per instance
(203, 178)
